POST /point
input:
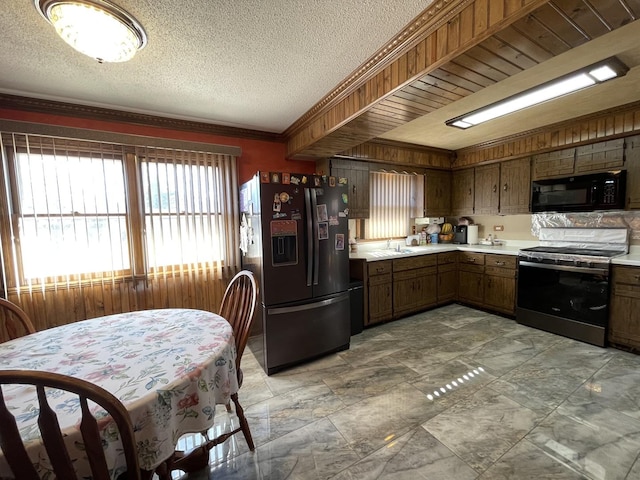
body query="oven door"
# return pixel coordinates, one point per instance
(570, 301)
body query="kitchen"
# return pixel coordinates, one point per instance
(571, 125)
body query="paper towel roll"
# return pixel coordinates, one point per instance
(472, 234)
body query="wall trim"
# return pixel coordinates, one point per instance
(52, 107)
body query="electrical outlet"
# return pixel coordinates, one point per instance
(498, 228)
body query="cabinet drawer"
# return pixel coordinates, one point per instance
(379, 268)
(502, 261)
(500, 272)
(471, 258)
(448, 257)
(380, 279)
(410, 263)
(627, 275)
(404, 275)
(629, 291)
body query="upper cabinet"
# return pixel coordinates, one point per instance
(487, 194)
(462, 192)
(595, 157)
(515, 186)
(437, 195)
(554, 164)
(600, 156)
(357, 173)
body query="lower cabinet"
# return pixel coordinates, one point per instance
(624, 321)
(500, 283)
(488, 281)
(414, 284)
(380, 292)
(447, 284)
(471, 278)
(402, 286)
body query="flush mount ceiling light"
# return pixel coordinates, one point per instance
(585, 77)
(97, 28)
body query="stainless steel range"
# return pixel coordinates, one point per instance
(563, 284)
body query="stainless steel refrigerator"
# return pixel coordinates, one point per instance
(294, 237)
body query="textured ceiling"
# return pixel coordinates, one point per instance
(244, 63)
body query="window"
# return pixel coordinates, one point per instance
(80, 211)
(395, 198)
(182, 207)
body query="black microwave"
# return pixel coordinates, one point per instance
(580, 193)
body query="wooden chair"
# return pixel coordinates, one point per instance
(16, 321)
(15, 453)
(238, 308)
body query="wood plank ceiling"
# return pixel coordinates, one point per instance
(462, 53)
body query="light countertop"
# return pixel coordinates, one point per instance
(373, 252)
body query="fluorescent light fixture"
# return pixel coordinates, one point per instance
(585, 77)
(97, 28)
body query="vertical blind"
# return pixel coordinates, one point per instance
(395, 198)
(74, 211)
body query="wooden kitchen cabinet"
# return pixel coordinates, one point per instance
(414, 284)
(357, 174)
(447, 284)
(515, 186)
(487, 193)
(554, 164)
(632, 161)
(437, 195)
(624, 320)
(500, 282)
(380, 291)
(470, 278)
(462, 192)
(599, 157)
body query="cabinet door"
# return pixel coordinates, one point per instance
(380, 299)
(632, 160)
(404, 293)
(554, 164)
(500, 293)
(515, 186)
(487, 195)
(600, 156)
(437, 195)
(357, 173)
(447, 283)
(624, 321)
(471, 285)
(462, 184)
(426, 287)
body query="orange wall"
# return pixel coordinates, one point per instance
(256, 154)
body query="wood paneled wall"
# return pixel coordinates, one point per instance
(614, 123)
(402, 154)
(52, 307)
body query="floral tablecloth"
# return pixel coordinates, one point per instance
(169, 367)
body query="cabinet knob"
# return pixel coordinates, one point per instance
(505, 187)
(472, 260)
(469, 191)
(495, 188)
(353, 189)
(500, 263)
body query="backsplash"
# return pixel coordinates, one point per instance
(617, 219)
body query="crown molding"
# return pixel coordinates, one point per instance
(52, 107)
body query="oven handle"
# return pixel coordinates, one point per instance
(567, 268)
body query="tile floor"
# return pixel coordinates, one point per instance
(452, 393)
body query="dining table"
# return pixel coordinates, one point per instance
(169, 368)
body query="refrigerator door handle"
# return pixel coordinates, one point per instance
(309, 218)
(316, 240)
(308, 306)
